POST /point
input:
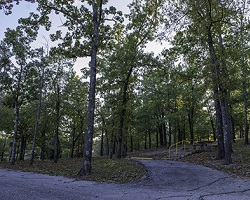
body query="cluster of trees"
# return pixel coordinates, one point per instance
(196, 88)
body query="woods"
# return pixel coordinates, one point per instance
(129, 97)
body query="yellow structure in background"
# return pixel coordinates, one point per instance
(183, 143)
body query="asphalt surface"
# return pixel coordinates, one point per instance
(167, 180)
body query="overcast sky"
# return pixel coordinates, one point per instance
(24, 8)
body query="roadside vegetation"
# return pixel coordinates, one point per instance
(104, 169)
(127, 170)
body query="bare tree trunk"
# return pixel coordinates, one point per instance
(74, 139)
(222, 95)
(212, 122)
(14, 144)
(145, 140)
(43, 136)
(157, 139)
(191, 116)
(226, 130)
(123, 111)
(131, 144)
(107, 141)
(56, 148)
(160, 133)
(38, 115)
(3, 148)
(102, 141)
(86, 166)
(219, 126)
(23, 147)
(191, 125)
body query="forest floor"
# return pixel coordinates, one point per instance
(240, 157)
(127, 170)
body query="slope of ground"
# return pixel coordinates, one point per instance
(126, 170)
(240, 156)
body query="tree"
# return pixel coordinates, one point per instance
(210, 18)
(128, 55)
(75, 107)
(15, 45)
(38, 107)
(85, 32)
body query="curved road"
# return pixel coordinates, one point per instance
(167, 180)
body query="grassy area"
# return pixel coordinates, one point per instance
(125, 170)
(240, 156)
(103, 169)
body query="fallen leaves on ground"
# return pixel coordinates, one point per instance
(125, 170)
(103, 169)
(239, 167)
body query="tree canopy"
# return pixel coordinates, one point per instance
(128, 97)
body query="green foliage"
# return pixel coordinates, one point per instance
(6, 119)
(167, 89)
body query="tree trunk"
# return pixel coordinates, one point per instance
(175, 132)
(43, 142)
(149, 140)
(179, 132)
(191, 116)
(169, 123)
(3, 146)
(86, 165)
(123, 111)
(212, 122)
(37, 116)
(43, 136)
(107, 142)
(14, 144)
(131, 144)
(244, 77)
(82, 135)
(102, 139)
(169, 133)
(191, 126)
(226, 131)
(74, 140)
(160, 133)
(184, 129)
(222, 96)
(56, 148)
(145, 140)
(157, 139)
(219, 128)
(23, 147)
(17, 109)
(111, 140)
(164, 134)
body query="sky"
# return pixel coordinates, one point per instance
(24, 8)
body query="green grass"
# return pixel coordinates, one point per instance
(103, 169)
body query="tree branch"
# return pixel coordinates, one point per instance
(68, 15)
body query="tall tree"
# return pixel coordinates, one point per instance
(209, 18)
(42, 69)
(15, 74)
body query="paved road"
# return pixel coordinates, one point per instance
(168, 180)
